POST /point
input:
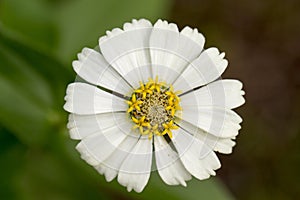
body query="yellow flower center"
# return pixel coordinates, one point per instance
(152, 108)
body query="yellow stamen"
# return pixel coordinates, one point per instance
(133, 104)
(151, 130)
(143, 90)
(152, 108)
(155, 84)
(172, 94)
(168, 127)
(140, 123)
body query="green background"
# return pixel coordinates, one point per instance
(40, 38)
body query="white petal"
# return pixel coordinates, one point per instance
(127, 51)
(135, 170)
(222, 93)
(194, 48)
(163, 43)
(172, 51)
(97, 147)
(81, 126)
(86, 99)
(108, 172)
(206, 68)
(222, 145)
(218, 121)
(92, 67)
(197, 158)
(169, 166)
(111, 166)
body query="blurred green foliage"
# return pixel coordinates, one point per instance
(38, 41)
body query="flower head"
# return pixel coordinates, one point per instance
(153, 90)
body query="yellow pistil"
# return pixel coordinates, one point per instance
(140, 123)
(144, 89)
(133, 104)
(168, 127)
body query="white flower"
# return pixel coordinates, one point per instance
(151, 94)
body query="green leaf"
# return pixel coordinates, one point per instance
(157, 189)
(48, 177)
(31, 21)
(11, 155)
(63, 28)
(32, 88)
(83, 22)
(207, 189)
